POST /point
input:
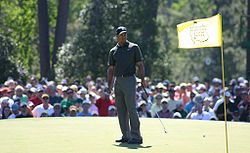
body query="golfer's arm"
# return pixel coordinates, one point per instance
(141, 70)
(110, 75)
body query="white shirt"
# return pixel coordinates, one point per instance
(172, 104)
(210, 111)
(155, 109)
(202, 116)
(12, 116)
(218, 103)
(39, 109)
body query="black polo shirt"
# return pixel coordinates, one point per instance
(124, 58)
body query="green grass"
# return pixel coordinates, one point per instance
(97, 135)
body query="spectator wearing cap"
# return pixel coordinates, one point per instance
(33, 96)
(64, 94)
(52, 92)
(64, 82)
(40, 92)
(93, 109)
(207, 106)
(180, 109)
(156, 107)
(25, 111)
(216, 84)
(245, 116)
(177, 93)
(15, 111)
(82, 93)
(196, 83)
(184, 94)
(6, 112)
(99, 83)
(91, 87)
(232, 85)
(240, 80)
(33, 82)
(243, 106)
(10, 83)
(68, 101)
(148, 97)
(207, 84)
(202, 90)
(81, 96)
(189, 88)
(45, 108)
(6, 101)
(191, 103)
(74, 88)
(6, 92)
(172, 103)
(57, 110)
(198, 114)
(216, 96)
(85, 109)
(164, 112)
(177, 115)
(88, 80)
(19, 94)
(237, 95)
(103, 103)
(76, 100)
(72, 111)
(142, 110)
(59, 90)
(160, 88)
(112, 111)
(219, 107)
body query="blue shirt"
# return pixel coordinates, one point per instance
(189, 106)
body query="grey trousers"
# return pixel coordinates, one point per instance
(125, 90)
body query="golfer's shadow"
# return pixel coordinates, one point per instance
(131, 146)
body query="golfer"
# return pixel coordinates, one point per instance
(122, 61)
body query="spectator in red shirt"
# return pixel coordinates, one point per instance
(103, 103)
(33, 96)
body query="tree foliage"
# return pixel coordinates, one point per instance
(87, 52)
(18, 22)
(150, 23)
(7, 67)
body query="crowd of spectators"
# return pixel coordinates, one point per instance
(195, 100)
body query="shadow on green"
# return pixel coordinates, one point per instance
(131, 146)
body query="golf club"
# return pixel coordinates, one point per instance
(155, 112)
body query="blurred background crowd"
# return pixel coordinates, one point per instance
(198, 100)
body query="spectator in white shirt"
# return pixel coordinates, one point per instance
(198, 114)
(43, 108)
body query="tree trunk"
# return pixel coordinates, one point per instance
(43, 21)
(61, 26)
(148, 31)
(248, 39)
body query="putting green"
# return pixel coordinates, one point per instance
(97, 135)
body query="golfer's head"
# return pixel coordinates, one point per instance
(121, 34)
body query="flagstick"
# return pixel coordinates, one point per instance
(223, 85)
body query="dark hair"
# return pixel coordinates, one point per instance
(3, 115)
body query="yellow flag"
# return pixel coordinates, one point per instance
(200, 33)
